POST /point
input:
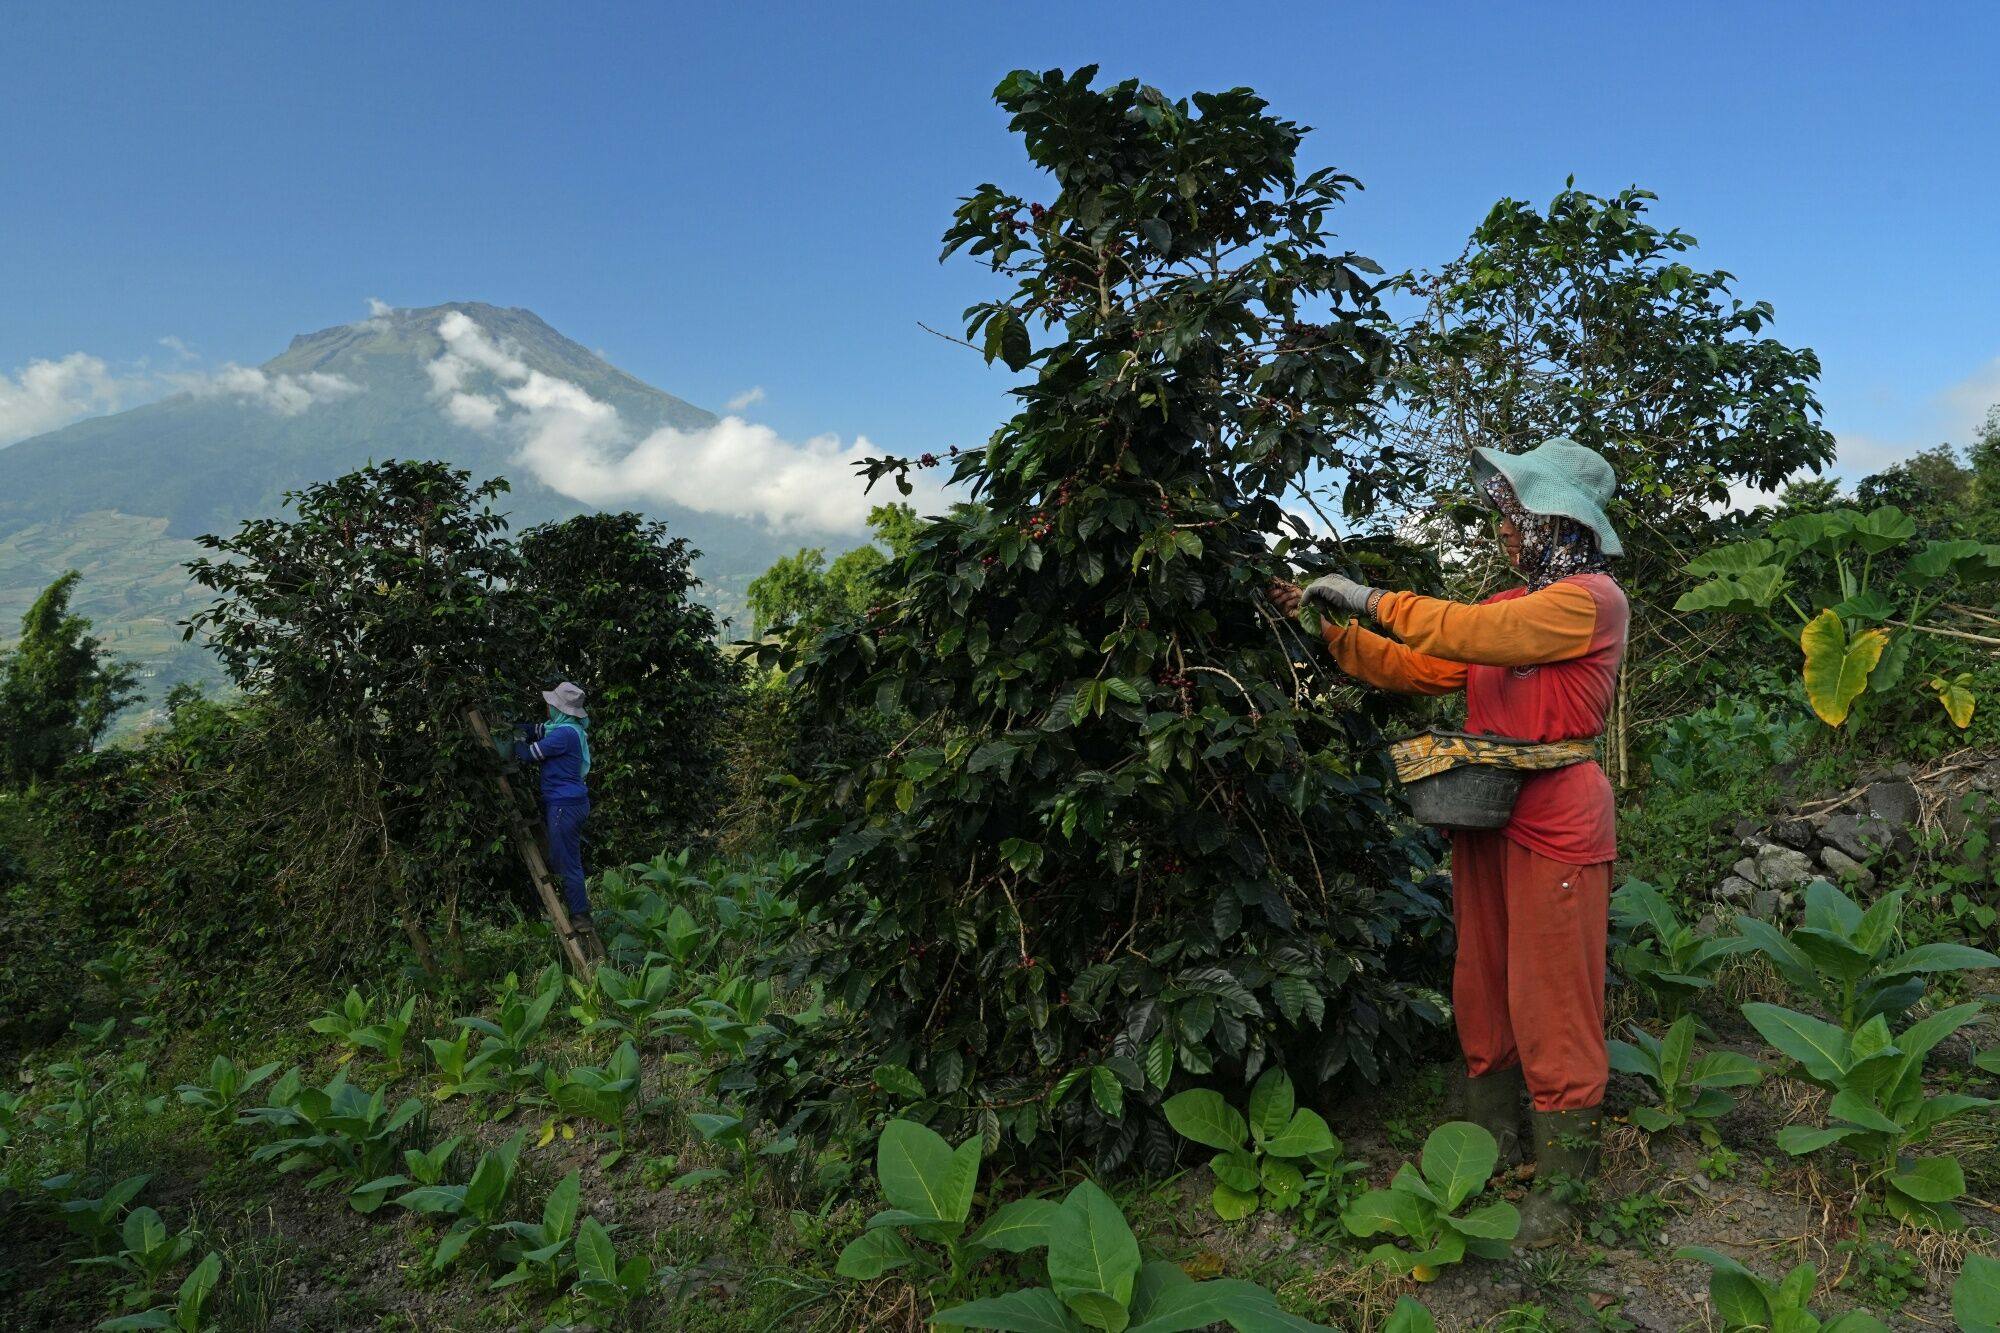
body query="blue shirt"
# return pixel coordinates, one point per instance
(559, 750)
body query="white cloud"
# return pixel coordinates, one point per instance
(179, 348)
(578, 444)
(750, 397)
(377, 307)
(285, 394)
(1966, 403)
(46, 394)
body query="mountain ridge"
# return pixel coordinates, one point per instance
(232, 442)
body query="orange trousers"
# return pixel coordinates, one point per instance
(1528, 985)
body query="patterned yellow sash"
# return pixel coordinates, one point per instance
(1432, 752)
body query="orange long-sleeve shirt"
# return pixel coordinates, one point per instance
(1535, 666)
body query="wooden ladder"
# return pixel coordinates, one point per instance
(582, 957)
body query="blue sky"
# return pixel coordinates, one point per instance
(724, 198)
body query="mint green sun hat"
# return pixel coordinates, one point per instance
(1558, 476)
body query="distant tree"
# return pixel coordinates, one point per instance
(59, 689)
(1584, 319)
(804, 591)
(1931, 486)
(610, 600)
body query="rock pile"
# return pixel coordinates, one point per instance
(1850, 839)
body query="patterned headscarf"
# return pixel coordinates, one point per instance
(1552, 547)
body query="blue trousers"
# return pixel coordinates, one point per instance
(565, 825)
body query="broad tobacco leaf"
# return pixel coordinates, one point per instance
(1837, 666)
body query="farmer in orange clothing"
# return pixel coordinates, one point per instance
(1537, 663)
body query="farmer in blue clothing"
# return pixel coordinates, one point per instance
(561, 745)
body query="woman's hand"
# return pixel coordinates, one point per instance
(1285, 596)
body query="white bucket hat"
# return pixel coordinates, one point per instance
(567, 699)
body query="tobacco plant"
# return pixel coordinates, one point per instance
(223, 1093)
(538, 1250)
(1847, 960)
(348, 1023)
(1257, 1160)
(604, 1094)
(1663, 955)
(1975, 1296)
(601, 1280)
(1685, 1088)
(95, 1219)
(149, 1252)
(476, 1209)
(1427, 1207)
(1097, 1279)
(1747, 1303)
(351, 1135)
(929, 1187)
(1880, 1110)
(187, 1314)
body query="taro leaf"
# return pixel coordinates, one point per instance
(1091, 1248)
(873, 1253)
(1202, 1115)
(1888, 673)
(1733, 558)
(1955, 697)
(923, 1174)
(1033, 1310)
(1867, 605)
(1270, 1105)
(1837, 665)
(1457, 1159)
(1884, 529)
(1975, 1297)
(1734, 594)
(1822, 531)
(1931, 1180)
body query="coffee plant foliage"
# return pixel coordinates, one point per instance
(1129, 838)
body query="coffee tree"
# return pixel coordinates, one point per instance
(379, 607)
(610, 601)
(1124, 841)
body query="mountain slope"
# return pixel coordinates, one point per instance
(120, 496)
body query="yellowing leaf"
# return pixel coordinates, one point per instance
(1956, 696)
(548, 1135)
(1837, 666)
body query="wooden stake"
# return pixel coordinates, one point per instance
(530, 849)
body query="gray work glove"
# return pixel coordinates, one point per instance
(1337, 592)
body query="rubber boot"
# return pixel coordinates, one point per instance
(588, 941)
(1493, 1102)
(1565, 1145)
